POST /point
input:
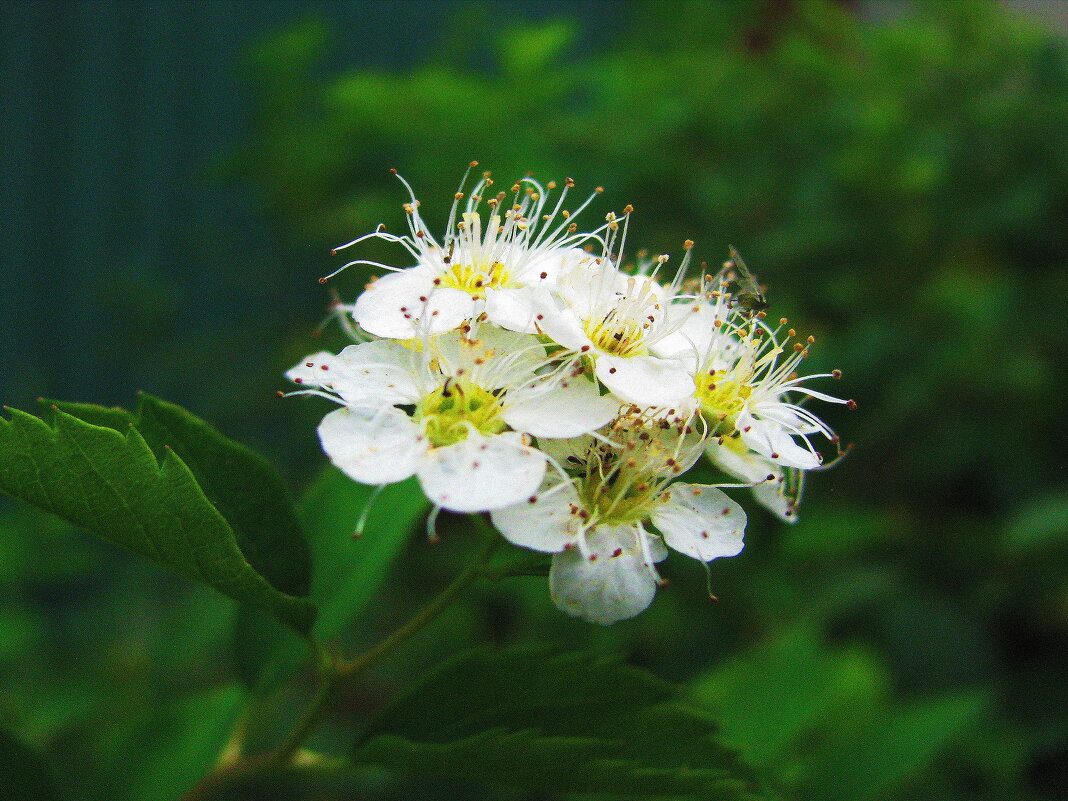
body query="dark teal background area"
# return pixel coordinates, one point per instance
(132, 259)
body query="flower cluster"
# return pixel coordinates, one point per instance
(518, 368)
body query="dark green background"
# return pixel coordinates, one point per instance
(175, 174)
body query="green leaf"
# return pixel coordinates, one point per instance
(240, 483)
(537, 720)
(773, 696)
(349, 571)
(171, 747)
(24, 776)
(112, 484)
(824, 721)
(895, 746)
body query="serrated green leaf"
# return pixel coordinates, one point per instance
(530, 761)
(240, 483)
(24, 776)
(112, 484)
(537, 720)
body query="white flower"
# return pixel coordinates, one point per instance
(603, 568)
(745, 378)
(775, 488)
(488, 261)
(467, 405)
(616, 320)
(744, 387)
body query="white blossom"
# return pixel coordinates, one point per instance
(515, 368)
(599, 525)
(746, 379)
(495, 253)
(456, 410)
(615, 320)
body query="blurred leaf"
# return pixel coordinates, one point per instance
(529, 50)
(1040, 523)
(526, 563)
(822, 720)
(348, 571)
(771, 697)
(174, 746)
(892, 748)
(24, 776)
(533, 719)
(112, 484)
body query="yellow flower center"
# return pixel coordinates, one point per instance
(721, 400)
(448, 414)
(474, 280)
(623, 498)
(617, 335)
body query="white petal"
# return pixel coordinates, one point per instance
(562, 326)
(514, 309)
(570, 408)
(548, 524)
(747, 466)
(373, 446)
(309, 371)
(771, 440)
(515, 356)
(554, 264)
(480, 473)
(646, 380)
(780, 413)
(567, 452)
(700, 521)
(406, 304)
(694, 335)
(770, 495)
(591, 285)
(378, 372)
(611, 583)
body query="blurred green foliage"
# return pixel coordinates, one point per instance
(902, 186)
